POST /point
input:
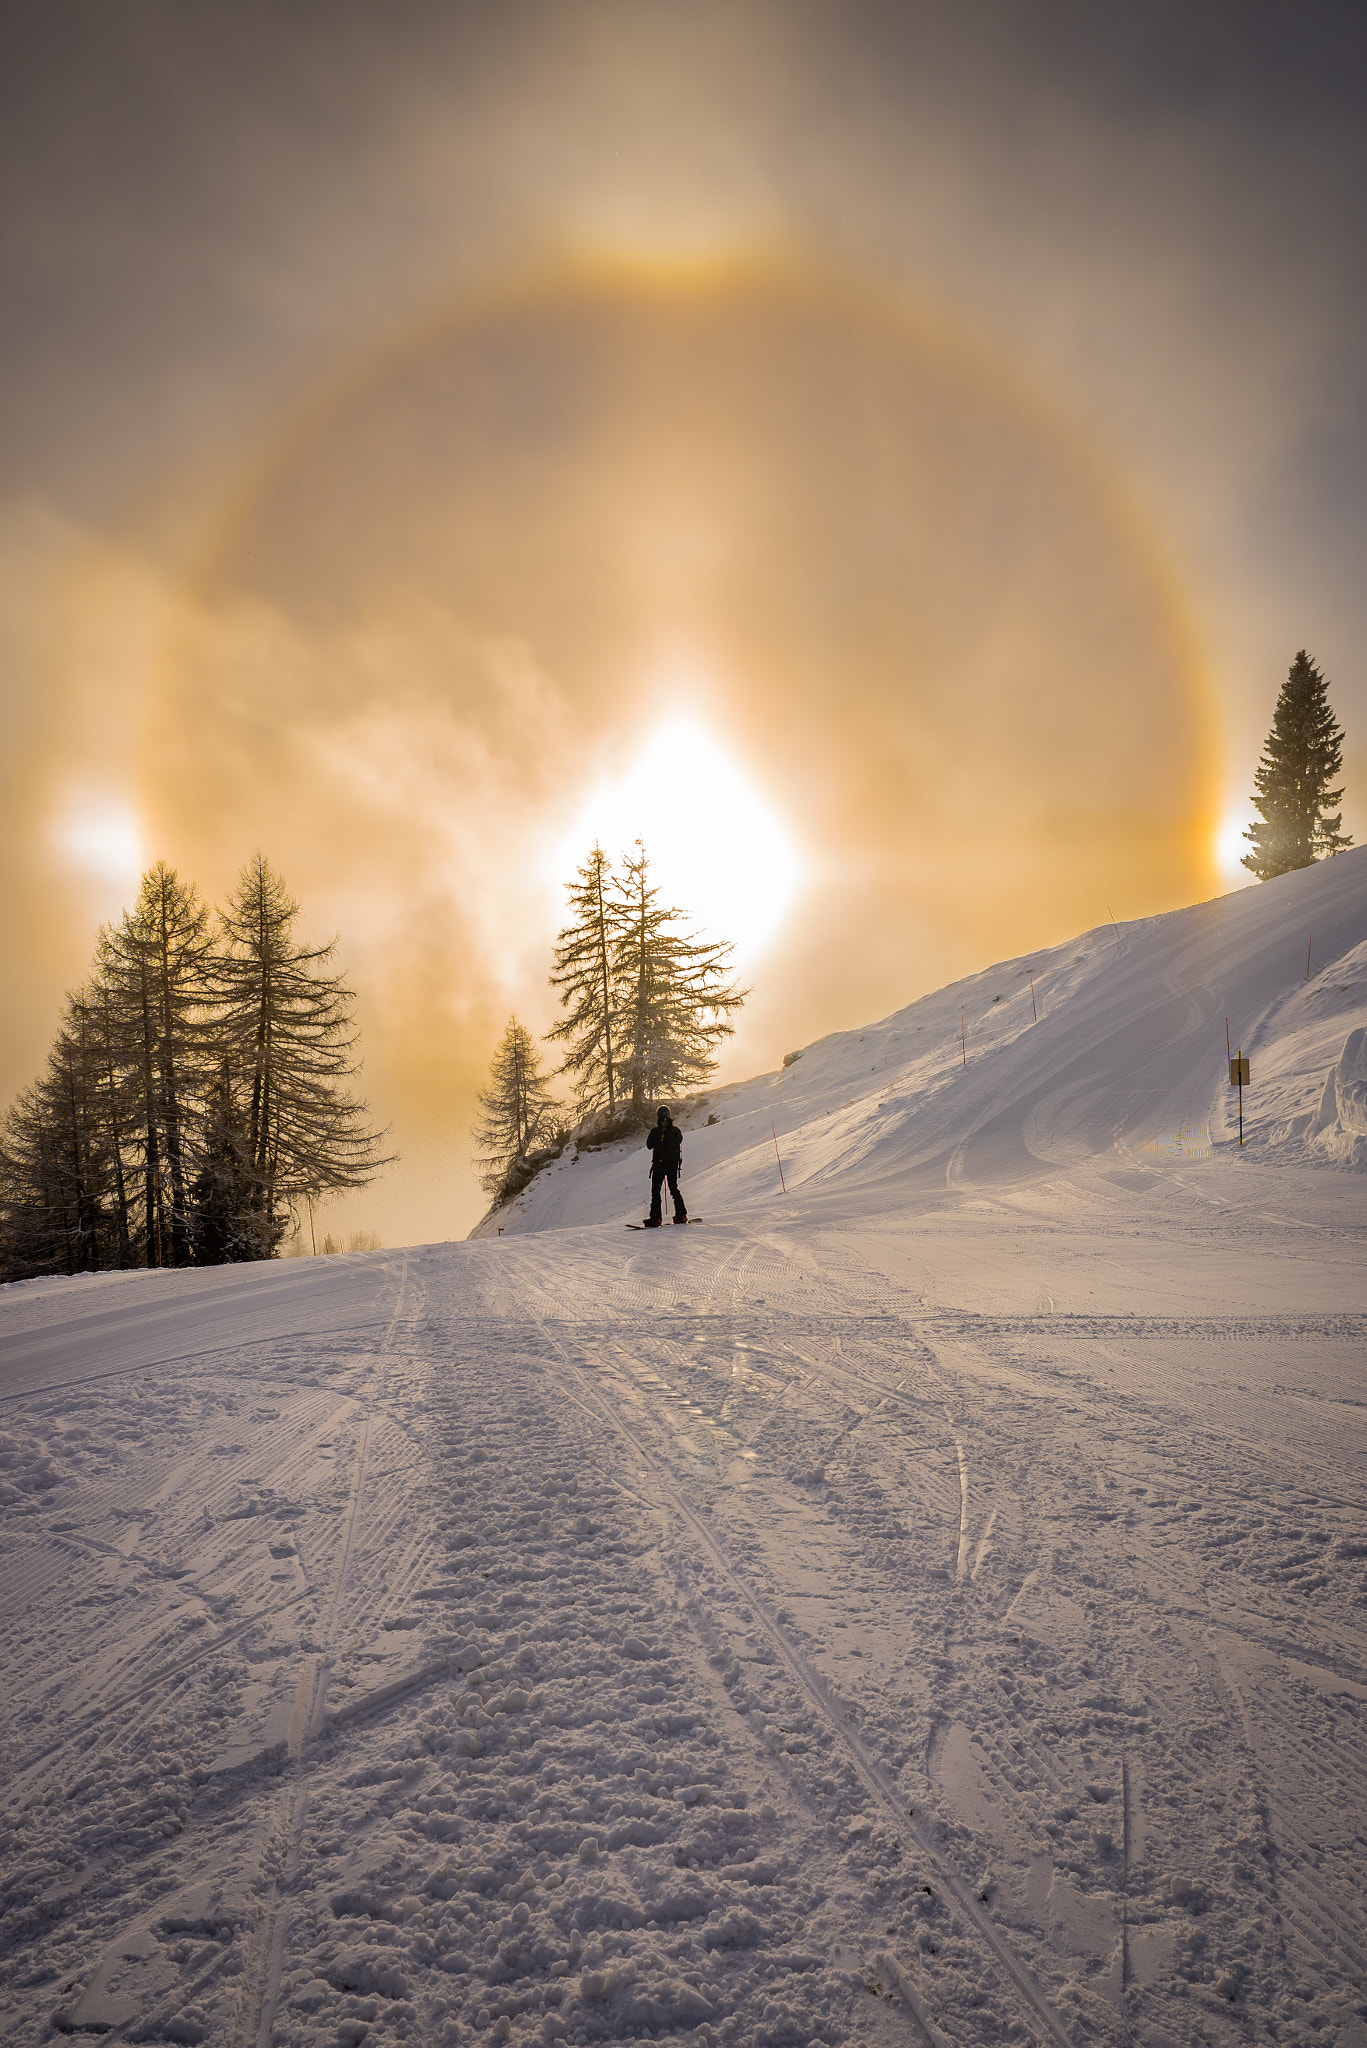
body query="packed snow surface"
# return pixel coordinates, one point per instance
(928, 1605)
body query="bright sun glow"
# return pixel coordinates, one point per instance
(1231, 846)
(100, 837)
(718, 848)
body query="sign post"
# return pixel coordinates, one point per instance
(1238, 1078)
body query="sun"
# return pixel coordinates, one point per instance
(100, 838)
(778, 572)
(1231, 846)
(719, 847)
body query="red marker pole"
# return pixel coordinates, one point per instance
(963, 1033)
(1307, 956)
(1228, 1054)
(781, 1181)
(1033, 1011)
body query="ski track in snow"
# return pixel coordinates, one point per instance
(935, 1615)
(694, 1563)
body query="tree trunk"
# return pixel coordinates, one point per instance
(152, 1160)
(180, 1238)
(638, 1079)
(115, 1139)
(607, 984)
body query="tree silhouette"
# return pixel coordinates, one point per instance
(209, 1066)
(674, 992)
(515, 1109)
(1304, 753)
(585, 952)
(285, 1026)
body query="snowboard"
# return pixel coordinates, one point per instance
(663, 1226)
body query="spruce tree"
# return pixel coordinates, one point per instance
(285, 1028)
(585, 952)
(516, 1108)
(675, 992)
(1304, 753)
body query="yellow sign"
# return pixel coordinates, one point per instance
(1238, 1072)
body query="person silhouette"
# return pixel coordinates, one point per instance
(665, 1145)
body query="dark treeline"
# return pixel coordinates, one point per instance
(194, 1092)
(646, 1005)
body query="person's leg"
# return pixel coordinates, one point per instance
(680, 1212)
(657, 1178)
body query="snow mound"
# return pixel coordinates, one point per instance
(1349, 1081)
(1313, 1063)
(1339, 1125)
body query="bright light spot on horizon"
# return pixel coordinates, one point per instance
(1231, 846)
(718, 848)
(100, 837)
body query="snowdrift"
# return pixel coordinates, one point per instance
(1118, 1049)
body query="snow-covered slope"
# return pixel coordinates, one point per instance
(1118, 1047)
(926, 1607)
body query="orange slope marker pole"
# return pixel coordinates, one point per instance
(1307, 956)
(781, 1181)
(963, 1034)
(1033, 1011)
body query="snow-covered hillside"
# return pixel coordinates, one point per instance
(1114, 1044)
(926, 1607)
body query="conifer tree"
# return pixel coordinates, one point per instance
(33, 1234)
(190, 1095)
(286, 1029)
(515, 1109)
(226, 1223)
(117, 1107)
(80, 1153)
(675, 994)
(1304, 753)
(584, 974)
(157, 963)
(55, 1165)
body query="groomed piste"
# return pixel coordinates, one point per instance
(927, 1604)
